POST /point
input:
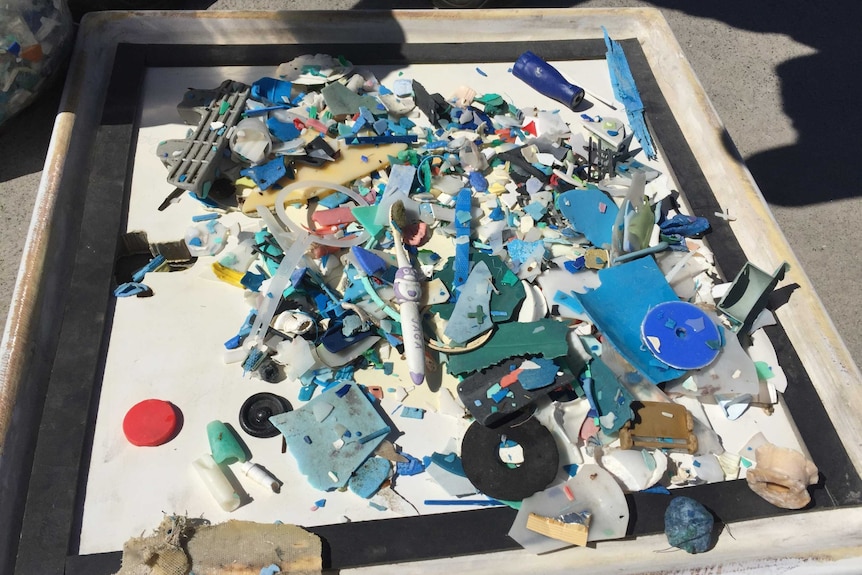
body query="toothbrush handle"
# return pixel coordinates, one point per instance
(408, 292)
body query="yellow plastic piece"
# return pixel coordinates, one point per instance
(348, 167)
(228, 275)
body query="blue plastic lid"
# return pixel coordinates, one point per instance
(681, 335)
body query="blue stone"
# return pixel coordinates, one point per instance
(688, 525)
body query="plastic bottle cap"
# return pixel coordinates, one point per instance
(151, 422)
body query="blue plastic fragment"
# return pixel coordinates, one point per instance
(626, 93)
(575, 265)
(364, 140)
(627, 292)
(205, 217)
(521, 251)
(271, 90)
(382, 432)
(368, 478)
(368, 261)
(320, 503)
(496, 214)
(535, 210)
(659, 489)
(571, 469)
(688, 525)
(449, 461)
(306, 392)
(478, 181)
(590, 212)
(270, 570)
(463, 206)
(412, 466)
(284, 131)
(413, 412)
(333, 200)
(152, 265)
(266, 175)
(381, 126)
(683, 225)
(130, 288)
(244, 330)
(531, 379)
(681, 335)
(252, 361)
(252, 281)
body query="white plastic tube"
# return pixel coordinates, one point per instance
(260, 475)
(216, 482)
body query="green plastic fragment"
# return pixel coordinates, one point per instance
(223, 107)
(224, 444)
(490, 99)
(764, 372)
(503, 304)
(312, 112)
(341, 101)
(546, 337)
(365, 216)
(425, 175)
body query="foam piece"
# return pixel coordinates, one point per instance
(311, 441)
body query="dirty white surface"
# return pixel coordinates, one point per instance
(169, 347)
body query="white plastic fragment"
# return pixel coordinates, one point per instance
(260, 476)
(216, 482)
(635, 470)
(595, 491)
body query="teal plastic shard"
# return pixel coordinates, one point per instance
(509, 290)
(224, 444)
(367, 218)
(748, 295)
(617, 307)
(368, 478)
(472, 314)
(612, 401)
(341, 100)
(327, 452)
(546, 337)
(590, 212)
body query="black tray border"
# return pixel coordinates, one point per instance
(51, 522)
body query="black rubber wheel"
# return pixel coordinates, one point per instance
(255, 413)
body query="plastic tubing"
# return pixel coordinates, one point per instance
(322, 240)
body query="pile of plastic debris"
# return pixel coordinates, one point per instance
(547, 282)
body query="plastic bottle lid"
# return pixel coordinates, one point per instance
(151, 422)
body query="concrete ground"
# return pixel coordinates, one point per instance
(781, 74)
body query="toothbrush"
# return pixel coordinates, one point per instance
(408, 292)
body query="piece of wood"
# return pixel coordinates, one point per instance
(574, 533)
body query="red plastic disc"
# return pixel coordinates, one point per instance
(151, 422)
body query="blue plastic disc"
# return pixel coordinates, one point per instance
(681, 335)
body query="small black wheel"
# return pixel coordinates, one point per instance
(255, 413)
